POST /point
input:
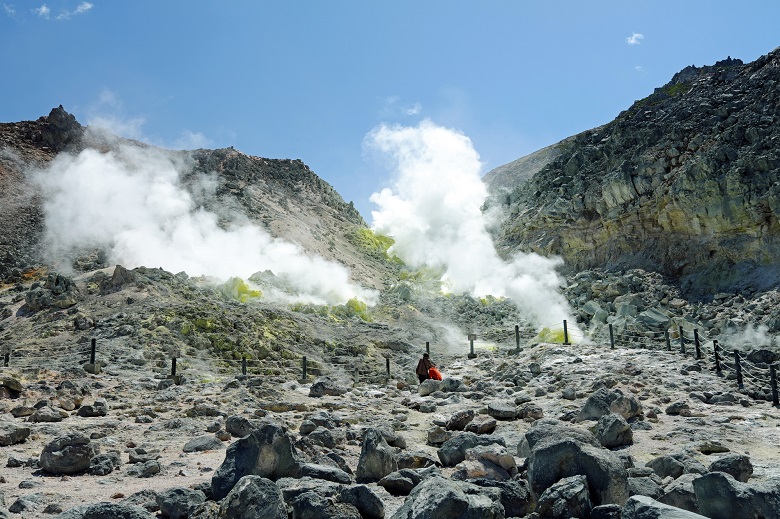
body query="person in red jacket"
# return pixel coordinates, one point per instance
(423, 366)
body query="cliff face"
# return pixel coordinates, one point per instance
(686, 182)
(283, 196)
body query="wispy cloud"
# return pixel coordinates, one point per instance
(639, 68)
(393, 107)
(9, 9)
(192, 140)
(43, 11)
(82, 8)
(635, 39)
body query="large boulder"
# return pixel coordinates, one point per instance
(643, 507)
(614, 431)
(453, 451)
(680, 494)
(737, 466)
(720, 496)
(377, 458)
(105, 511)
(11, 434)
(312, 505)
(551, 430)
(551, 462)
(441, 497)
(179, 502)
(267, 451)
(605, 401)
(567, 498)
(326, 386)
(253, 496)
(516, 497)
(68, 454)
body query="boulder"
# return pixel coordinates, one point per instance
(105, 511)
(643, 507)
(326, 472)
(679, 493)
(605, 401)
(459, 420)
(207, 442)
(614, 431)
(453, 451)
(675, 465)
(95, 410)
(11, 434)
(551, 430)
(253, 496)
(566, 498)
(68, 454)
(12, 385)
(179, 503)
(238, 426)
(429, 386)
(377, 458)
(311, 505)
(401, 482)
(503, 410)
(267, 451)
(553, 461)
(737, 466)
(441, 497)
(720, 496)
(479, 468)
(367, 502)
(326, 386)
(516, 497)
(104, 464)
(481, 424)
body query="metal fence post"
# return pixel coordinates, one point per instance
(427, 347)
(611, 337)
(716, 348)
(668, 341)
(773, 382)
(93, 347)
(243, 365)
(173, 367)
(682, 341)
(517, 337)
(565, 334)
(472, 338)
(387, 367)
(304, 368)
(6, 358)
(738, 367)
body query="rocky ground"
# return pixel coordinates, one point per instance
(652, 408)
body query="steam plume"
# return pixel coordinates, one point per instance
(433, 212)
(132, 204)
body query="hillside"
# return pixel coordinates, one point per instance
(684, 183)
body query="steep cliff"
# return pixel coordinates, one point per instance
(686, 182)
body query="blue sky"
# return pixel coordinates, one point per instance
(310, 79)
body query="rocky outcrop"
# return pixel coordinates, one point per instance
(684, 182)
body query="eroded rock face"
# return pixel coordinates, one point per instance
(684, 182)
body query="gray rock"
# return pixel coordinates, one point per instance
(720, 496)
(566, 498)
(675, 465)
(453, 451)
(367, 502)
(479, 469)
(481, 424)
(377, 458)
(502, 410)
(551, 430)
(441, 497)
(643, 507)
(267, 451)
(326, 472)
(238, 426)
(429, 386)
(401, 482)
(322, 437)
(253, 496)
(311, 505)
(459, 420)
(105, 511)
(605, 401)
(516, 497)
(179, 503)
(550, 462)
(678, 408)
(146, 469)
(606, 512)
(11, 434)
(325, 386)
(614, 431)
(68, 454)
(104, 464)
(736, 465)
(645, 486)
(679, 493)
(206, 442)
(141, 455)
(47, 414)
(97, 409)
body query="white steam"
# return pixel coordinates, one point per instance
(132, 204)
(433, 212)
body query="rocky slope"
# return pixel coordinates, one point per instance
(684, 183)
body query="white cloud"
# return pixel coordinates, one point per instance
(393, 107)
(433, 212)
(415, 109)
(635, 39)
(82, 8)
(9, 9)
(640, 69)
(42, 11)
